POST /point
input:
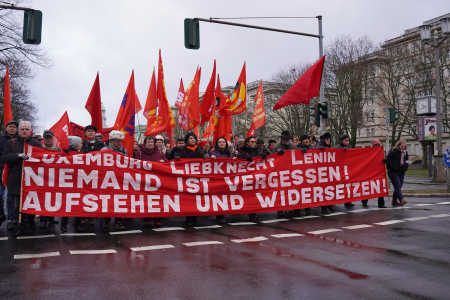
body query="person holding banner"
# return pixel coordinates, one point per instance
(14, 155)
(304, 144)
(10, 133)
(115, 138)
(92, 144)
(148, 152)
(344, 142)
(325, 142)
(191, 150)
(175, 152)
(376, 143)
(397, 165)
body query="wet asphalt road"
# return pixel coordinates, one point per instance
(405, 260)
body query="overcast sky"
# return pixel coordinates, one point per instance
(115, 37)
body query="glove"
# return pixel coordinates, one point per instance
(250, 159)
(23, 156)
(66, 151)
(304, 150)
(384, 161)
(280, 151)
(322, 148)
(264, 155)
(345, 148)
(206, 156)
(177, 157)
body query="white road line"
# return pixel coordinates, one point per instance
(92, 251)
(206, 227)
(415, 218)
(126, 232)
(255, 239)
(242, 223)
(439, 216)
(360, 210)
(335, 214)
(401, 207)
(283, 235)
(305, 217)
(389, 222)
(202, 243)
(424, 204)
(22, 256)
(156, 247)
(358, 226)
(35, 236)
(274, 221)
(325, 231)
(168, 229)
(3, 238)
(78, 234)
(443, 203)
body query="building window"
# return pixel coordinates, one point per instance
(373, 131)
(371, 116)
(359, 132)
(368, 132)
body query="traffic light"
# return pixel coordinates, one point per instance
(191, 34)
(32, 27)
(392, 115)
(314, 115)
(324, 109)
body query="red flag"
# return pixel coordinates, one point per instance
(78, 130)
(222, 122)
(196, 131)
(94, 105)
(207, 106)
(180, 95)
(209, 130)
(61, 131)
(192, 101)
(164, 122)
(126, 117)
(251, 132)
(305, 88)
(259, 114)
(151, 104)
(7, 112)
(237, 101)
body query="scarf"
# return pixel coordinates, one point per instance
(192, 148)
(402, 158)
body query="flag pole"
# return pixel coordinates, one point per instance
(245, 121)
(312, 127)
(265, 128)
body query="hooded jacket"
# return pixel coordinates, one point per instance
(10, 156)
(3, 140)
(147, 155)
(303, 146)
(246, 152)
(323, 144)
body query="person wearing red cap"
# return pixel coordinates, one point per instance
(376, 143)
(205, 146)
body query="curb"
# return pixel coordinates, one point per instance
(425, 195)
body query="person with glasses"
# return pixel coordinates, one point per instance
(376, 143)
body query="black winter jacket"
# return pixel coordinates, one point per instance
(3, 140)
(89, 146)
(186, 153)
(322, 143)
(174, 153)
(393, 162)
(10, 155)
(247, 152)
(303, 146)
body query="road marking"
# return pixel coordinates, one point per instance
(22, 256)
(242, 223)
(424, 204)
(126, 232)
(78, 234)
(274, 221)
(415, 218)
(283, 235)
(255, 239)
(443, 203)
(206, 227)
(324, 231)
(358, 226)
(168, 229)
(92, 251)
(35, 236)
(389, 222)
(202, 243)
(439, 216)
(305, 217)
(3, 238)
(401, 207)
(335, 214)
(360, 210)
(156, 247)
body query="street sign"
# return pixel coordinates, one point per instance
(447, 157)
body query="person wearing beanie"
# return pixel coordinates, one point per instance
(191, 150)
(272, 143)
(381, 203)
(205, 146)
(262, 150)
(344, 142)
(75, 143)
(324, 143)
(91, 144)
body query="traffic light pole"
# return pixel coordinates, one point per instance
(386, 147)
(322, 85)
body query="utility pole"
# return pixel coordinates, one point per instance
(322, 85)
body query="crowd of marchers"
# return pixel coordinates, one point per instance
(159, 149)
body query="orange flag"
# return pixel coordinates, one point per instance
(61, 132)
(196, 131)
(222, 122)
(94, 105)
(7, 112)
(164, 122)
(126, 117)
(191, 97)
(259, 114)
(237, 101)
(151, 104)
(209, 130)
(207, 106)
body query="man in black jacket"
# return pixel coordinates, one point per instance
(10, 133)
(175, 152)
(14, 155)
(92, 144)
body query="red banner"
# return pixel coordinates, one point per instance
(108, 184)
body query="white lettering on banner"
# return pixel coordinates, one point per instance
(31, 202)
(48, 160)
(148, 181)
(89, 200)
(200, 207)
(235, 206)
(135, 183)
(134, 203)
(105, 199)
(125, 161)
(374, 186)
(108, 159)
(71, 202)
(97, 157)
(192, 185)
(63, 177)
(110, 176)
(174, 204)
(206, 168)
(232, 186)
(306, 196)
(223, 203)
(292, 200)
(37, 178)
(51, 177)
(247, 183)
(63, 159)
(318, 194)
(267, 202)
(48, 202)
(151, 203)
(174, 170)
(136, 163)
(83, 177)
(118, 203)
(78, 159)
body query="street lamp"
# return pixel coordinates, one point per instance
(425, 36)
